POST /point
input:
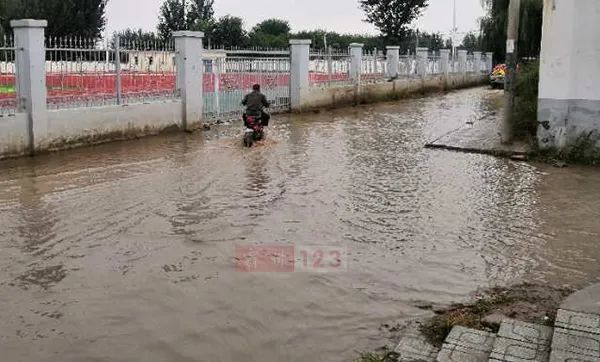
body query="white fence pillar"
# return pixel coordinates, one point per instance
(190, 69)
(356, 53)
(299, 73)
(422, 59)
(445, 61)
(462, 61)
(31, 78)
(490, 61)
(218, 66)
(393, 60)
(477, 61)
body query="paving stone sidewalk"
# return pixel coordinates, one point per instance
(480, 136)
(574, 338)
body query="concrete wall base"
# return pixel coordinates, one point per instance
(565, 124)
(70, 128)
(13, 135)
(385, 91)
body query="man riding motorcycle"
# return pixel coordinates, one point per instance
(255, 104)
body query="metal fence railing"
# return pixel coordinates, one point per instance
(329, 68)
(470, 66)
(374, 67)
(434, 65)
(86, 72)
(484, 64)
(8, 94)
(407, 66)
(227, 80)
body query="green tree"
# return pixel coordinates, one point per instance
(273, 33)
(392, 17)
(448, 44)
(340, 41)
(432, 41)
(201, 16)
(494, 25)
(471, 42)
(172, 18)
(81, 18)
(273, 27)
(196, 15)
(229, 32)
(139, 39)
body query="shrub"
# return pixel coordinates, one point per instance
(526, 101)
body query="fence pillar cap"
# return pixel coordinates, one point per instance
(422, 49)
(489, 53)
(29, 23)
(188, 34)
(300, 42)
(464, 51)
(356, 45)
(393, 47)
(477, 52)
(444, 50)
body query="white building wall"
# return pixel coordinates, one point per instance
(569, 97)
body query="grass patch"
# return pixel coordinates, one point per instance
(6, 89)
(527, 302)
(384, 356)
(583, 151)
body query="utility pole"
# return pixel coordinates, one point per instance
(454, 35)
(512, 39)
(417, 43)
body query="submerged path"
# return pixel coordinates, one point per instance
(126, 251)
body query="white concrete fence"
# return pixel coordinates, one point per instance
(36, 127)
(444, 71)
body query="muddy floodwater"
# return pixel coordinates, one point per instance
(127, 251)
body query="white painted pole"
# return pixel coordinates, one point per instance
(490, 61)
(31, 79)
(422, 59)
(445, 61)
(393, 61)
(356, 53)
(299, 77)
(477, 61)
(190, 69)
(462, 61)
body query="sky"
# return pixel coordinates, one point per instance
(338, 15)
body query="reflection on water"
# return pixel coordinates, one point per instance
(125, 251)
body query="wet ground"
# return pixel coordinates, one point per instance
(126, 251)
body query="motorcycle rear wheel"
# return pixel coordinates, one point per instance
(248, 140)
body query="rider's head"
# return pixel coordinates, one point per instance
(256, 87)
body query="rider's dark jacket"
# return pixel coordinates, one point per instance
(255, 102)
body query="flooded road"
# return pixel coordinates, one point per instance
(126, 251)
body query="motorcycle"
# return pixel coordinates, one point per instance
(254, 129)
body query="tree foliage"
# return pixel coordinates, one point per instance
(392, 17)
(172, 18)
(229, 32)
(84, 18)
(273, 33)
(471, 42)
(201, 16)
(200, 11)
(139, 39)
(176, 15)
(494, 27)
(433, 41)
